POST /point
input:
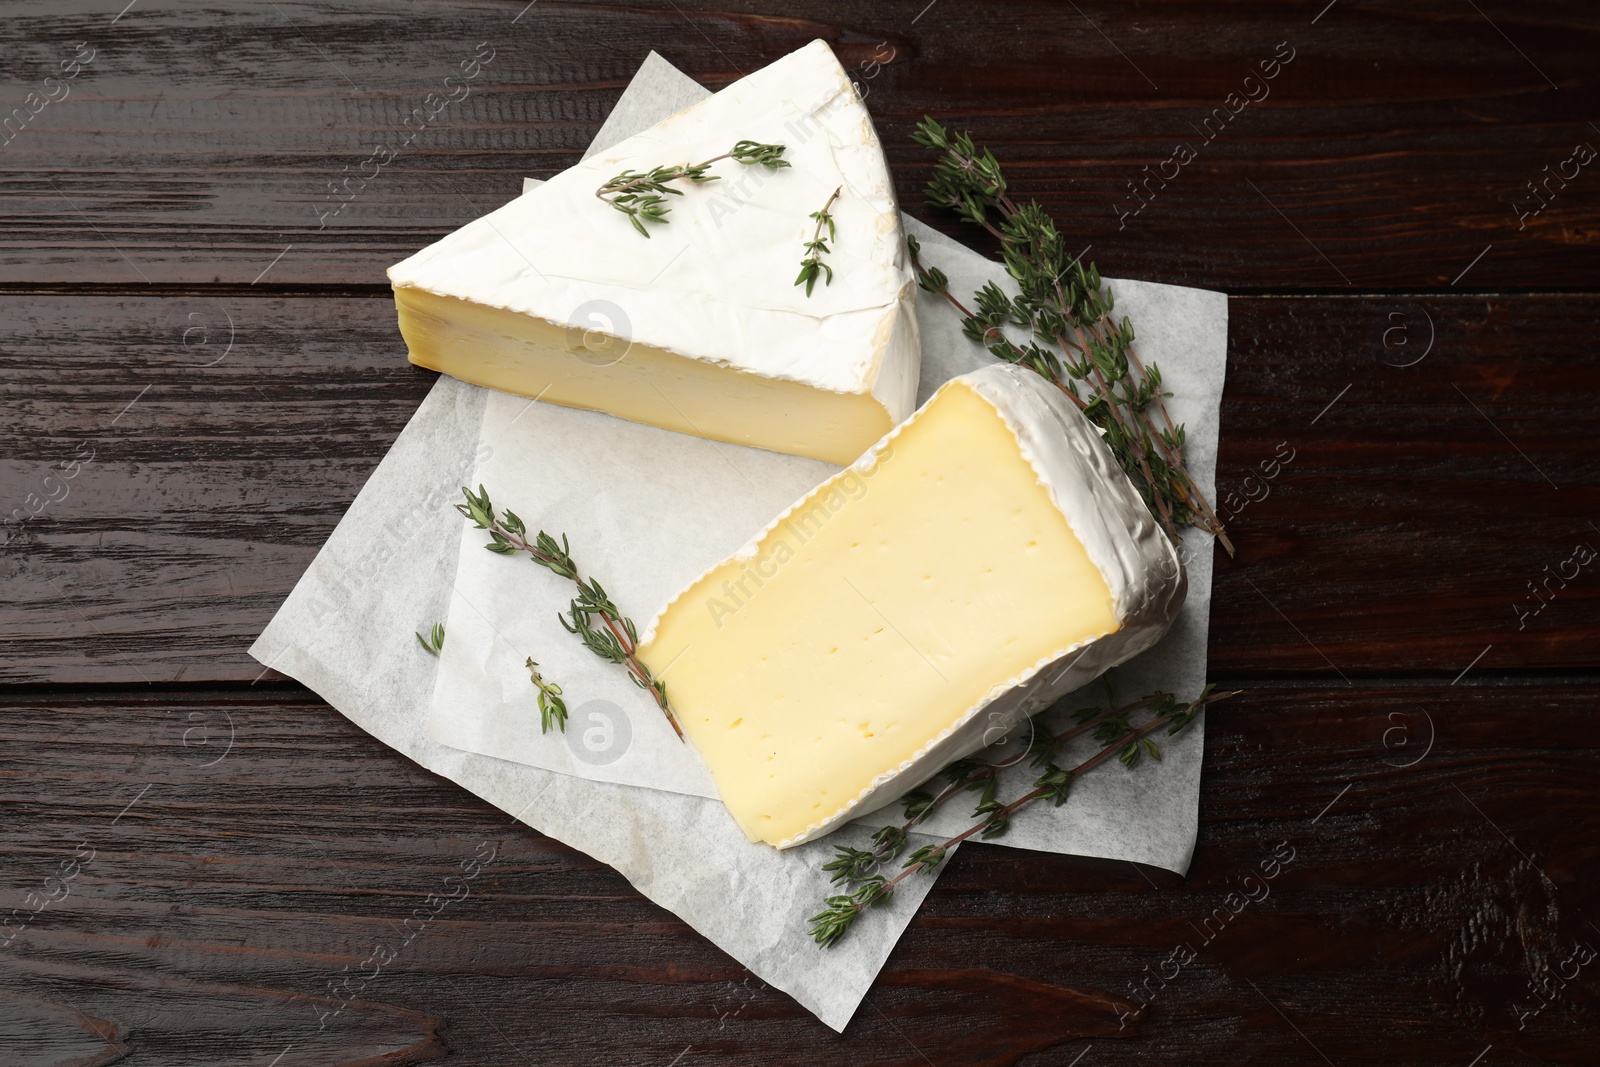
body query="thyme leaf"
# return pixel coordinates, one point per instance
(433, 644)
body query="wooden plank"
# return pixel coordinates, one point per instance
(1393, 146)
(1441, 485)
(1404, 867)
(213, 465)
(1401, 535)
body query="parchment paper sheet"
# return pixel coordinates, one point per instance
(649, 510)
(345, 632)
(390, 567)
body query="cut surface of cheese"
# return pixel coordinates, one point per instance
(982, 560)
(700, 327)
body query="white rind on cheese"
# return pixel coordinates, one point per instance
(1141, 569)
(716, 282)
(1131, 551)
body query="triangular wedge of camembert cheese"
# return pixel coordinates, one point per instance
(982, 560)
(700, 327)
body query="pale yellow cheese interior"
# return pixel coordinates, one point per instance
(886, 605)
(531, 357)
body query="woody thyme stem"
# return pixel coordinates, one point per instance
(857, 868)
(619, 643)
(960, 784)
(640, 672)
(613, 187)
(935, 282)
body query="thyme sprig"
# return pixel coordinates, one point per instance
(433, 644)
(552, 709)
(643, 196)
(1064, 311)
(812, 266)
(615, 638)
(857, 869)
(964, 775)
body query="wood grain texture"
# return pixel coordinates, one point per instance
(239, 879)
(1430, 509)
(199, 367)
(205, 500)
(1391, 150)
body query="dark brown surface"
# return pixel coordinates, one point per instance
(196, 147)
(1455, 865)
(1412, 906)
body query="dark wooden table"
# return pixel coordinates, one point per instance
(219, 371)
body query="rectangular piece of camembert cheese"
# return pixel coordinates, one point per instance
(982, 560)
(700, 326)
